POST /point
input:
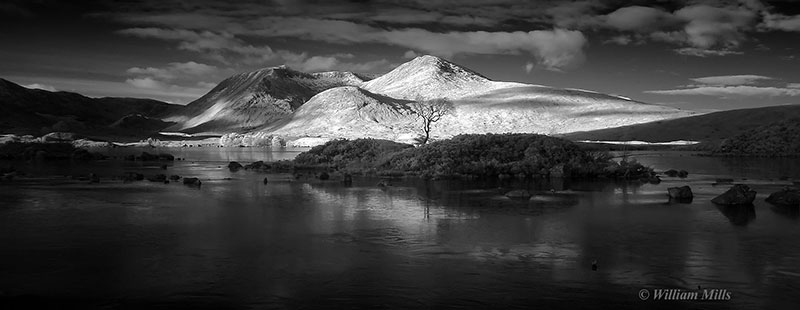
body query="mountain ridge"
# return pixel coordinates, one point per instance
(35, 111)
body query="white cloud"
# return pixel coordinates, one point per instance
(708, 26)
(700, 52)
(206, 85)
(329, 63)
(781, 22)
(40, 86)
(556, 48)
(726, 80)
(640, 19)
(620, 40)
(176, 70)
(410, 54)
(146, 83)
(219, 46)
(731, 91)
(529, 67)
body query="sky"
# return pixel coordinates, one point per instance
(702, 55)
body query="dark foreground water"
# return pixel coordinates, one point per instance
(237, 243)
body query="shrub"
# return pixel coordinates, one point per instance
(355, 154)
(487, 155)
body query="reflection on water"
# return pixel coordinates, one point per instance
(239, 243)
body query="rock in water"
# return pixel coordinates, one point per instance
(681, 194)
(739, 194)
(671, 173)
(683, 174)
(259, 165)
(174, 177)
(132, 176)
(165, 156)
(234, 166)
(519, 194)
(158, 178)
(786, 197)
(324, 176)
(192, 182)
(265, 180)
(348, 179)
(93, 178)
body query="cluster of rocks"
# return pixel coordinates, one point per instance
(676, 173)
(160, 178)
(145, 156)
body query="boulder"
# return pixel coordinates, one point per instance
(266, 180)
(259, 165)
(348, 179)
(739, 194)
(174, 177)
(145, 156)
(192, 182)
(785, 197)
(654, 180)
(132, 176)
(683, 174)
(234, 166)
(324, 176)
(671, 173)
(166, 156)
(158, 178)
(519, 194)
(681, 194)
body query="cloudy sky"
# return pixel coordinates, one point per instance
(701, 55)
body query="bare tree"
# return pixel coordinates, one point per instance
(429, 112)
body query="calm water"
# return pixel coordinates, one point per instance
(237, 243)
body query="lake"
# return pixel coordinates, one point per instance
(236, 243)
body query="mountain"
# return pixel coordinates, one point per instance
(349, 112)
(429, 77)
(253, 99)
(709, 128)
(36, 112)
(378, 108)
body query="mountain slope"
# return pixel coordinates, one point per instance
(709, 128)
(481, 106)
(348, 112)
(257, 98)
(35, 111)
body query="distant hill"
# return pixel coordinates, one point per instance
(36, 112)
(377, 108)
(777, 139)
(709, 128)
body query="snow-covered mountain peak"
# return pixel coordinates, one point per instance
(427, 77)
